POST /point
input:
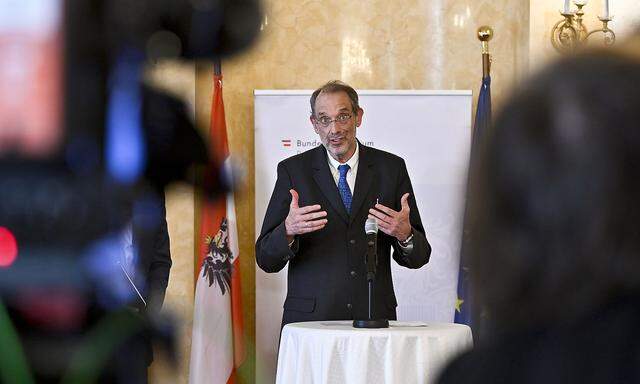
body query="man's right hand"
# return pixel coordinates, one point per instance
(303, 219)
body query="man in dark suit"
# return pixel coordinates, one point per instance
(145, 263)
(316, 224)
(151, 236)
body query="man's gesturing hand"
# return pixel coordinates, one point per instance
(391, 222)
(303, 219)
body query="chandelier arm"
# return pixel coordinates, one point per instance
(559, 29)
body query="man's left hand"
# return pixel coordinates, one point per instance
(393, 223)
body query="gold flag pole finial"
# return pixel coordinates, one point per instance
(485, 34)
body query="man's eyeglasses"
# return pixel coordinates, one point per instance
(341, 119)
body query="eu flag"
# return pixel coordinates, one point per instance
(481, 124)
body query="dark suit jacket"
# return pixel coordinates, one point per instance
(151, 236)
(327, 278)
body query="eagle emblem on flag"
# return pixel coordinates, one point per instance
(216, 266)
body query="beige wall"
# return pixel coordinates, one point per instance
(409, 44)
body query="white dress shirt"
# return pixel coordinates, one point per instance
(127, 256)
(353, 168)
(128, 259)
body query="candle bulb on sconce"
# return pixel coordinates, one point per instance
(570, 33)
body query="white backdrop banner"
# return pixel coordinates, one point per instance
(431, 130)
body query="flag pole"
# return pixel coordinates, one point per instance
(465, 308)
(485, 34)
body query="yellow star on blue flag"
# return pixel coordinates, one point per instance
(459, 302)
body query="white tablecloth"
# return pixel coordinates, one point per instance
(326, 352)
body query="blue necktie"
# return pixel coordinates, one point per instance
(343, 186)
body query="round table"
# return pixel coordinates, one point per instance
(335, 352)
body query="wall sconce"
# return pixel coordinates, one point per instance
(570, 32)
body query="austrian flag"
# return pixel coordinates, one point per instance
(217, 346)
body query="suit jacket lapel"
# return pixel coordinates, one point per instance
(364, 178)
(326, 183)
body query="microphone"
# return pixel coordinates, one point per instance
(371, 229)
(371, 260)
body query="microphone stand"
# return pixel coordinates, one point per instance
(371, 261)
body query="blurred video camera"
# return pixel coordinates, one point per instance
(86, 149)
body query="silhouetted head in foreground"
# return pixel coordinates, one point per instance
(555, 200)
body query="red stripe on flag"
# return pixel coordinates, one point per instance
(218, 130)
(233, 378)
(213, 211)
